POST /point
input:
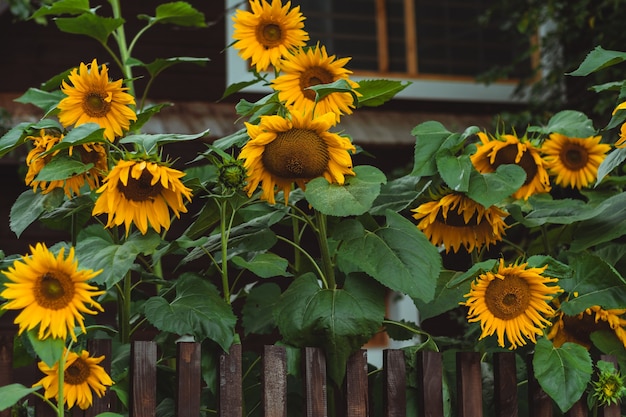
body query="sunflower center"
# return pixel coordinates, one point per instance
(296, 153)
(507, 298)
(77, 373)
(140, 189)
(314, 76)
(456, 219)
(269, 35)
(574, 157)
(580, 328)
(508, 154)
(96, 104)
(54, 290)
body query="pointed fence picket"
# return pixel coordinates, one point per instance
(357, 401)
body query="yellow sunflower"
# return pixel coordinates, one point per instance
(309, 67)
(512, 300)
(578, 328)
(51, 292)
(509, 149)
(82, 374)
(93, 153)
(621, 142)
(268, 32)
(95, 99)
(297, 149)
(574, 161)
(140, 192)
(456, 220)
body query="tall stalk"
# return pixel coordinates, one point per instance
(322, 240)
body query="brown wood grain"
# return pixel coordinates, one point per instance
(97, 348)
(430, 378)
(469, 384)
(274, 381)
(143, 386)
(230, 392)
(539, 403)
(357, 400)
(315, 383)
(189, 378)
(505, 384)
(394, 383)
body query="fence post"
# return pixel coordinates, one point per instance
(539, 403)
(357, 402)
(274, 381)
(230, 393)
(143, 374)
(315, 383)
(430, 378)
(188, 379)
(505, 384)
(469, 384)
(394, 383)
(100, 347)
(6, 363)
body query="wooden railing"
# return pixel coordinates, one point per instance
(356, 401)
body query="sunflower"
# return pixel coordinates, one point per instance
(94, 99)
(51, 292)
(456, 220)
(82, 374)
(140, 192)
(578, 328)
(309, 67)
(297, 149)
(509, 149)
(93, 153)
(268, 32)
(512, 300)
(574, 161)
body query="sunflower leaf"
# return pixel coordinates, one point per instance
(446, 297)
(395, 255)
(612, 161)
(353, 198)
(198, 310)
(63, 7)
(338, 320)
(30, 205)
(12, 393)
(429, 137)
(49, 349)
(83, 134)
(398, 194)
(13, 138)
(490, 188)
(563, 372)
(454, 170)
(377, 92)
(94, 26)
(178, 13)
(62, 167)
(257, 314)
(151, 141)
(339, 86)
(569, 123)
(45, 100)
(161, 64)
(264, 265)
(598, 59)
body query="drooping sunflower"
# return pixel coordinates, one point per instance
(94, 99)
(574, 161)
(512, 301)
(142, 192)
(578, 328)
(308, 67)
(509, 149)
(51, 292)
(93, 153)
(82, 375)
(456, 220)
(284, 150)
(268, 33)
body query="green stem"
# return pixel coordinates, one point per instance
(61, 375)
(224, 232)
(327, 263)
(309, 257)
(123, 47)
(297, 259)
(124, 299)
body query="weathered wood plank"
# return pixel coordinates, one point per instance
(6, 363)
(143, 387)
(579, 409)
(230, 392)
(539, 403)
(189, 378)
(315, 383)
(274, 381)
(394, 383)
(505, 384)
(430, 377)
(97, 348)
(469, 384)
(357, 400)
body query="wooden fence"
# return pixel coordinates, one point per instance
(430, 397)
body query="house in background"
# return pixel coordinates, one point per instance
(437, 45)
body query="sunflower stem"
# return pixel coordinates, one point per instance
(322, 238)
(61, 376)
(224, 233)
(309, 257)
(124, 310)
(123, 47)
(297, 259)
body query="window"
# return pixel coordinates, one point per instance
(437, 44)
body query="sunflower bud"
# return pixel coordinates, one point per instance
(609, 388)
(232, 175)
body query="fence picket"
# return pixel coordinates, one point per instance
(315, 383)
(274, 381)
(505, 379)
(143, 372)
(357, 402)
(469, 384)
(230, 391)
(430, 377)
(188, 379)
(394, 385)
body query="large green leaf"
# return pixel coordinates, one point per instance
(608, 225)
(45, 100)
(598, 59)
(569, 123)
(63, 7)
(257, 314)
(429, 136)
(612, 161)
(264, 265)
(160, 64)
(475, 270)
(595, 281)
(339, 320)
(96, 250)
(94, 26)
(149, 142)
(178, 13)
(397, 255)
(454, 170)
(12, 393)
(353, 198)
(30, 205)
(83, 134)
(377, 92)
(49, 349)
(197, 310)
(446, 298)
(563, 372)
(398, 194)
(339, 86)
(13, 138)
(493, 187)
(62, 167)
